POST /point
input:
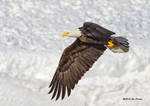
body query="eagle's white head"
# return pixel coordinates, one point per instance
(75, 33)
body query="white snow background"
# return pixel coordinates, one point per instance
(31, 46)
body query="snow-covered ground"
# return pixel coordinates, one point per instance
(31, 45)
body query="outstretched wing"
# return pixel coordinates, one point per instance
(96, 31)
(75, 61)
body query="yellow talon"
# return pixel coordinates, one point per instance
(64, 34)
(111, 44)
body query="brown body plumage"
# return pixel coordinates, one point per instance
(79, 57)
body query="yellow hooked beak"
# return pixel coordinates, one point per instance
(64, 34)
(111, 44)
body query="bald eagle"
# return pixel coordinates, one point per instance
(91, 42)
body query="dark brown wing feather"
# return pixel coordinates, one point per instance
(75, 61)
(96, 31)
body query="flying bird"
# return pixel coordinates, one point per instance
(91, 42)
